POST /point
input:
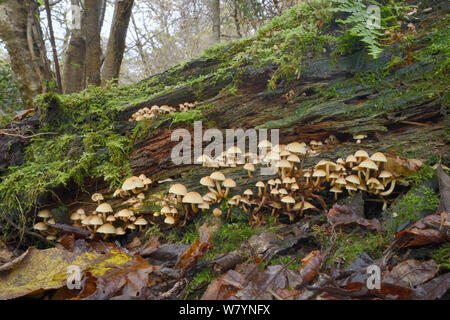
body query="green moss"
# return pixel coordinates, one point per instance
(442, 256)
(348, 247)
(200, 281)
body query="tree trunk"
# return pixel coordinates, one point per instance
(52, 41)
(215, 15)
(92, 10)
(13, 31)
(116, 42)
(74, 62)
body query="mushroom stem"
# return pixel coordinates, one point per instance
(227, 190)
(194, 208)
(388, 192)
(219, 189)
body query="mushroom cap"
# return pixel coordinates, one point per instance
(51, 221)
(340, 161)
(296, 147)
(81, 211)
(260, 184)
(265, 144)
(283, 191)
(178, 189)
(207, 181)
(131, 226)
(173, 211)
(132, 183)
(274, 191)
(110, 218)
(287, 180)
(359, 136)
(44, 213)
(319, 173)
(104, 207)
(379, 157)
(229, 183)
(217, 212)
(169, 220)
(293, 158)
(248, 192)
(165, 210)
(95, 221)
(351, 159)
(51, 237)
(336, 189)
(271, 182)
(249, 167)
(288, 199)
(306, 206)
(368, 164)
(97, 197)
(120, 231)
(107, 228)
(353, 179)
(210, 196)
(203, 205)
(217, 175)
(284, 164)
(340, 181)
(75, 216)
(40, 226)
(147, 181)
(277, 181)
(192, 197)
(124, 213)
(361, 154)
(141, 196)
(385, 174)
(140, 221)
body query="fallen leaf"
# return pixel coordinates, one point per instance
(342, 215)
(411, 273)
(13, 262)
(224, 286)
(311, 266)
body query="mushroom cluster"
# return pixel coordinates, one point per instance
(133, 185)
(150, 113)
(103, 220)
(42, 226)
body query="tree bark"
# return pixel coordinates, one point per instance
(215, 15)
(13, 31)
(52, 41)
(74, 62)
(92, 10)
(116, 42)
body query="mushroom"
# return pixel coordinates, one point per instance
(359, 137)
(97, 197)
(133, 184)
(192, 198)
(95, 221)
(75, 217)
(378, 158)
(124, 214)
(361, 155)
(385, 176)
(283, 165)
(248, 193)
(106, 229)
(120, 231)
(228, 183)
(368, 165)
(41, 227)
(218, 176)
(104, 208)
(203, 206)
(179, 190)
(318, 173)
(296, 147)
(351, 160)
(288, 200)
(140, 222)
(250, 168)
(169, 220)
(336, 190)
(260, 185)
(45, 214)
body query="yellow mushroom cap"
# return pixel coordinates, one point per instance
(378, 157)
(169, 220)
(249, 167)
(353, 179)
(120, 231)
(306, 206)
(218, 176)
(104, 207)
(229, 183)
(178, 189)
(132, 183)
(319, 173)
(44, 213)
(140, 221)
(40, 226)
(97, 197)
(368, 164)
(260, 184)
(361, 154)
(248, 192)
(193, 197)
(207, 181)
(287, 199)
(95, 221)
(296, 147)
(124, 213)
(107, 228)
